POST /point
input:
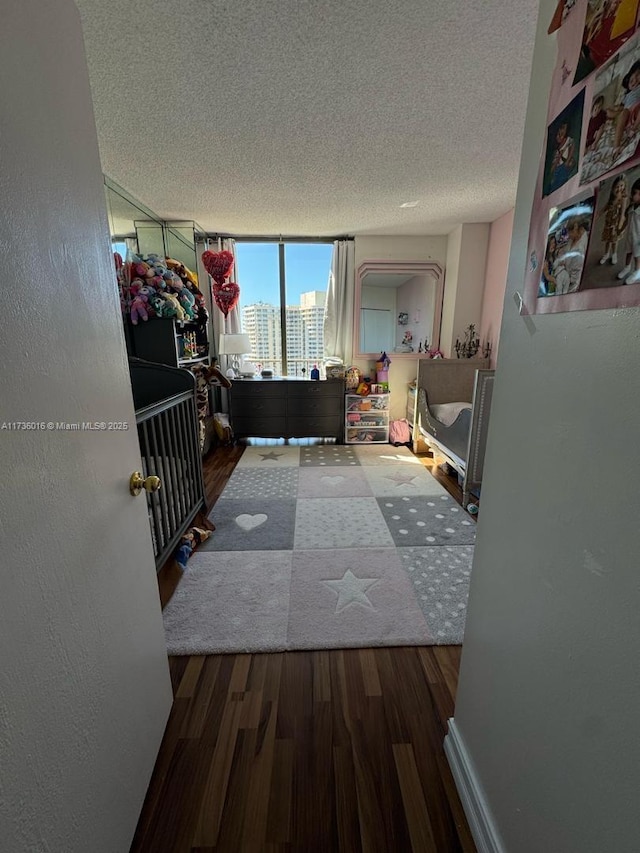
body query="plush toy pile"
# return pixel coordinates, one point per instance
(158, 287)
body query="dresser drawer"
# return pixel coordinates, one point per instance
(257, 406)
(322, 426)
(260, 426)
(313, 390)
(259, 388)
(314, 406)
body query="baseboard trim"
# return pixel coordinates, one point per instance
(481, 823)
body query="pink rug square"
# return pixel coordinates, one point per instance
(361, 597)
(333, 483)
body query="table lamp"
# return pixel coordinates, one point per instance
(234, 345)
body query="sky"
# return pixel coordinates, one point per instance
(306, 268)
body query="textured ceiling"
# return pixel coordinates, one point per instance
(313, 117)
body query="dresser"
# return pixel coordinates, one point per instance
(287, 408)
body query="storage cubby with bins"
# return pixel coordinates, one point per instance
(367, 419)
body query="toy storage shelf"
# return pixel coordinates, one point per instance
(367, 419)
(161, 340)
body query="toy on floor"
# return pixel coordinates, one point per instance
(189, 542)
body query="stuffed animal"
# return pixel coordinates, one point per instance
(139, 308)
(172, 299)
(158, 303)
(149, 292)
(185, 274)
(189, 542)
(186, 299)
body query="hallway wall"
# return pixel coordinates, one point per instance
(496, 282)
(549, 692)
(84, 682)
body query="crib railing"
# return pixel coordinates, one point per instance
(168, 436)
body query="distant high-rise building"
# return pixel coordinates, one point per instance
(305, 341)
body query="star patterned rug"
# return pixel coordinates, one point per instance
(322, 547)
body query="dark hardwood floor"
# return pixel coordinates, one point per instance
(306, 751)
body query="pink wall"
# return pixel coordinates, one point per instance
(496, 281)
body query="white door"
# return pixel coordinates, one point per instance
(84, 686)
(376, 329)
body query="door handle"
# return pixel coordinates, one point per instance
(137, 483)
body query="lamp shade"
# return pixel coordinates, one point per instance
(234, 345)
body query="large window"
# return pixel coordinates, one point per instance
(283, 287)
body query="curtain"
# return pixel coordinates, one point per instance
(338, 315)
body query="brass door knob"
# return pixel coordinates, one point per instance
(137, 483)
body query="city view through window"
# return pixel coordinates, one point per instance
(306, 274)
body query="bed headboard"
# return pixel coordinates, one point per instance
(449, 380)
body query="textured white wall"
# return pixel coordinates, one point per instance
(464, 282)
(420, 308)
(84, 686)
(496, 282)
(549, 691)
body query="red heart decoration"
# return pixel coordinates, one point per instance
(226, 296)
(218, 264)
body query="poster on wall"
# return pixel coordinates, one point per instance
(613, 133)
(584, 240)
(608, 24)
(563, 144)
(566, 249)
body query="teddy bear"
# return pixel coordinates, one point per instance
(149, 292)
(186, 299)
(139, 308)
(158, 304)
(172, 299)
(180, 269)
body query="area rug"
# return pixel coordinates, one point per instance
(326, 547)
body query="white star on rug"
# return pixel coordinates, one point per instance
(271, 455)
(351, 590)
(401, 478)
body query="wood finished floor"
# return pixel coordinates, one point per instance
(306, 751)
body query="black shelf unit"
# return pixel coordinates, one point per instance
(160, 340)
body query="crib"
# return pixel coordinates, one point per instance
(167, 424)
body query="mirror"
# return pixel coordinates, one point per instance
(398, 308)
(133, 226)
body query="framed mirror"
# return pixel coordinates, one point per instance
(398, 308)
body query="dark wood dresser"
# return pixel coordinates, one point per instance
(287, 408)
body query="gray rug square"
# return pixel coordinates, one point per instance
(230, 602)
(252, 525)
(328, 456)
(440, 577)
(275, 456)
(266, 483)
(361, 597)
(316, 482)
(427, 520)
(386, 454)
(401, 479)
(339, 523)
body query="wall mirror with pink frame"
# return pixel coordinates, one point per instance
(398, 308)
